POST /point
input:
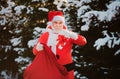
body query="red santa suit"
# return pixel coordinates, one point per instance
(46, 64)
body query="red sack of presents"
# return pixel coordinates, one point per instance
(45, 66)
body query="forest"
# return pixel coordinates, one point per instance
(23, 21)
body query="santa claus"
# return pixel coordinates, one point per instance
(53, 51)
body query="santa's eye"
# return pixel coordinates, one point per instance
(60, 22)
(55, 22)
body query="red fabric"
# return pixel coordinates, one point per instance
(81, 41)
(65, 54)
(45, 66)
(51, 14)
(43, 39)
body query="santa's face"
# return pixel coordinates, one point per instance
(57, 25)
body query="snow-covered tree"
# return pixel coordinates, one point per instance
(22, 21)
(17, 22)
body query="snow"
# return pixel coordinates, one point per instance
(21, 60)
(5, 74)
(117, 52)
(22, 20)
(38, 29)
(79, 3)
(29, 10)
(85, 27)
(43, 9)
(114, 6)
(18, 31)
(86, 1)
(5, 11)
(78, 65)
(113, 9)
(6, 47)
(110, 41)
(57, 1)
(3, 20)
(75, 58)
(83, 77)
(102, 16)
(60, 3)
(79, 76)
(19, 50)
(16, 41)
(39, 1)
(35, 0)
(31, 43)
(87, 18)
(18, 9)
(10, 3)
(37, 32)
(82, 10)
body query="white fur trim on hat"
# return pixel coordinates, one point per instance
(58, 18)
(49, 23)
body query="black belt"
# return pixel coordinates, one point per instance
(70, 66)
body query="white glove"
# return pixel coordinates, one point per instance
(68, 34)
(39, 47)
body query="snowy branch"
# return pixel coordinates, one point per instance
(16, 41)
(113, 10)
(117, 52)
(108, 40)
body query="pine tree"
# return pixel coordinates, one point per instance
(21, 22)
(18, 22)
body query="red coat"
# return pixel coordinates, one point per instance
(62, 48)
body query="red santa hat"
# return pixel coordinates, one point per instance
(54, 16)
